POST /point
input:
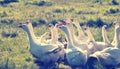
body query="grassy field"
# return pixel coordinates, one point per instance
(14, 47)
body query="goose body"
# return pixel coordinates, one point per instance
(48, 54)
(109, 57)
(75, 56)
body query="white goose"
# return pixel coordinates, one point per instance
(47, 54)
(109, 57)
(81, 36)
(54, 39)
(69, 26)
(75, 56)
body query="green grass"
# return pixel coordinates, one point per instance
(15, 51)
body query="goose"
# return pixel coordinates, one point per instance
(54, 39)
(46, 54)
(97, 46)
(69, 26)
(81, 35)
(108, 57)
(75, 56)
(116, 25)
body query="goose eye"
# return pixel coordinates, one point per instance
(106, 28)
(49, 34)
(26, 22)
(49, 26)
(85, 28)
(114, 24)
(20, 23)
(72, 19)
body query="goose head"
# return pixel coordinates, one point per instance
(63, 28)
(66, 23)
(71, 20)
(50, 26)
(116, 24)
(104, 27)
(26, 26)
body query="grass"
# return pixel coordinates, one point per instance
(16, 49)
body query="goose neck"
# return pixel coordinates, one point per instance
(52, 34)
(104, 35)
(117, 38)
(31, 37)
(72, 35)
(56, 34)
(69, 40)
(90, 36)
(80, 31)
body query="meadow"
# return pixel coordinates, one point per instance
(14, 46)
